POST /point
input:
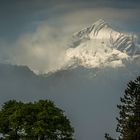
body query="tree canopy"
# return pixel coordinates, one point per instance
(129, 117)
(40, 120)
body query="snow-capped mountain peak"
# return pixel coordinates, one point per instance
(103, 32)
(99, 46)
(92, 30)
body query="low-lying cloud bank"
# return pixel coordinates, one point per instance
(42, 51)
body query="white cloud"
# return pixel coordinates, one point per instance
(42, 50)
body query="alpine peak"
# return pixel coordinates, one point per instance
(94, 28)
(99, 45)
(100, 31)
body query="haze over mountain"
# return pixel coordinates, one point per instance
(96, 68)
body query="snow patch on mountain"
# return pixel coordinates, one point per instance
(100, 56)
(101, 46)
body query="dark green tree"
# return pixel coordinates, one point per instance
(129, 116)
(40, 120)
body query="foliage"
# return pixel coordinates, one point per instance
(129, 116)
(107, 136)
(40, 120)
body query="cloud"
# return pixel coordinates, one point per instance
(81, 17)
(42, 47)
(21, 14)
(41, 50)
(88, 15)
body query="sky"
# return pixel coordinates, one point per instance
(32, 32)
(36, 33)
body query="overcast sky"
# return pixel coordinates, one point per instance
(28, 28)
(36, 33)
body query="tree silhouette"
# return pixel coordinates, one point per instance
(129, 116)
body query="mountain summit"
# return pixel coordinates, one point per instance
(101, 46)
(103, 32)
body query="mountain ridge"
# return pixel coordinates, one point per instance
(101, 46)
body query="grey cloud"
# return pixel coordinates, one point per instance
(42, 50)
(18, 16)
